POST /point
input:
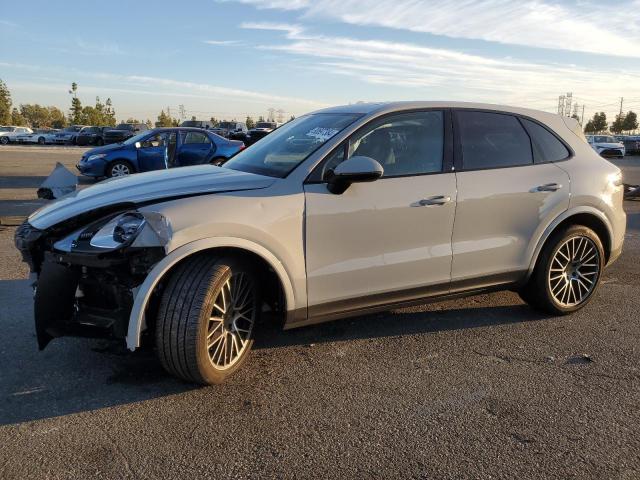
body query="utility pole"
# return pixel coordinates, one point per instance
(569, 102)
(181, 107)
(582, 116)
(561, 105)
(621, 102)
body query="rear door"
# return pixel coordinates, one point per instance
(196, 148)
(509, 189)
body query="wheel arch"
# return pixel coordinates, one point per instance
(217, 245)
(587, 216)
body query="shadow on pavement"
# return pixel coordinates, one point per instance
(396, 323)
(77, 375)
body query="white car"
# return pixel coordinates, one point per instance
(606, 145)
(341, 212)
(10, 134)
(41, 137)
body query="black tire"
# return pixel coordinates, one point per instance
(537, 292)
(41, 141)
(99, 142)
(182, 331)
(118, 166)
(4, 140)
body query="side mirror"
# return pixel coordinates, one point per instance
(354, 170)
(138, 144)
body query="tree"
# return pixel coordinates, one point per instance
(630, 123)
(149, 124)
(250, 122)
(597, 124)
(16, 118)
(109, 114)
(261, 118)
(164, 120)
(617, 125)
(75, 113)
(589, 128)
(214, 122)
(35, 115)
(293, 117)
(57, 119)
(132, 120)
(5, 104)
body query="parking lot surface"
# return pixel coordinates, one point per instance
(481, 387)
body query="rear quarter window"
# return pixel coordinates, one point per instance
(546, 146)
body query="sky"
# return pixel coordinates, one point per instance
(233, 58)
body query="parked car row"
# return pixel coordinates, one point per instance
(158, 149)
(83, 135)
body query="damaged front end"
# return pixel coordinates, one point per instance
(86, 277)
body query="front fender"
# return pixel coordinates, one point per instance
(142, 294)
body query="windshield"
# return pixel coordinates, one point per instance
(227, 125)
(277, 154)
(265, 125)
(606, 140)
(137, 138)
(124, 126)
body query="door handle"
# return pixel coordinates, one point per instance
(548, 187)
(431, 201)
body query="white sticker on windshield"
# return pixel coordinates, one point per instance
(322, 134)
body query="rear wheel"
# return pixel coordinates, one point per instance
(41, 141)
(119, 168)
(4, 140)
(99, 142)
(567, 273)
(206, 319)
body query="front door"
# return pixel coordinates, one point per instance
(509, 189)
(390, 240)
(154, 151)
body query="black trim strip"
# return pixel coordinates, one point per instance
(404, 298)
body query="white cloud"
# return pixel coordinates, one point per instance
(223, 43)
(439, 72)
(578, 25)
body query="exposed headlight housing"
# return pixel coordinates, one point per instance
(96, 156)
(119, 231)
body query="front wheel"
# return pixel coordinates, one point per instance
(4, 140)
(567, 272)
(119, 168)
(41, 141)
(205, 324)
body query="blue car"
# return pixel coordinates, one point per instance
(158, 149)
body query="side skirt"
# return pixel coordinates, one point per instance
(327, 312)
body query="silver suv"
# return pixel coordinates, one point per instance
(338, 213)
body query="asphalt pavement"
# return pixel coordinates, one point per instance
(481, 387)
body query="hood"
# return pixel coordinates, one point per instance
(104, 149)
(145, 187)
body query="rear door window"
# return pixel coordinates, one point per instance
(492, 140)
(196, 137)
(546, 146)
